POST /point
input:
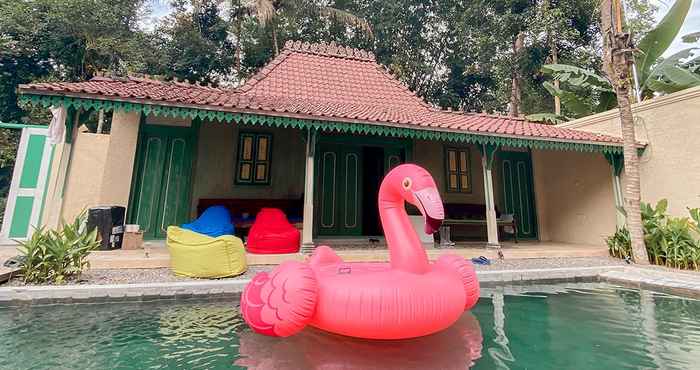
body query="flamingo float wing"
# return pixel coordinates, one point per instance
(466, 272)
(282, 302)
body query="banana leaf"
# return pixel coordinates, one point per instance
(547, 117)
(607, 101)
(576, 76)
(656, 41)
(570, 100)
(668, 76)
(691, 37)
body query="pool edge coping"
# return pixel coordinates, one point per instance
(629, 276)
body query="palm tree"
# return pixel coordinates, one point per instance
(617, 64)
(268, 11)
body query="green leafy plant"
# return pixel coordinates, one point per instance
(654, 73)
(54, 256)
(670, 241)
(619, 244)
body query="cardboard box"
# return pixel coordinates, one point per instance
(133, 240)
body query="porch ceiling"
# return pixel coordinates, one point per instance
(320, 86)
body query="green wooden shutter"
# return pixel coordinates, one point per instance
(26, 197)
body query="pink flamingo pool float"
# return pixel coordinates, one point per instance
(406, 298)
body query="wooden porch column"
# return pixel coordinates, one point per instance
(488, 153)
(307, 242)
(60, 166)
(617, 164)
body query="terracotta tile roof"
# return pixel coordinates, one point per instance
(317, 81)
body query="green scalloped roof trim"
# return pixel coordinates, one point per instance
(328, 126)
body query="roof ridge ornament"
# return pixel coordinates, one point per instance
(331, 49)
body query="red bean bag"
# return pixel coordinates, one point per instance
(272, 233)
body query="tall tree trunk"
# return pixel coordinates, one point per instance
(274, 39)
(515, 92)
(555, 60)
(617, 60)
(238, 28)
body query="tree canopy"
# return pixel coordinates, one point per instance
(453, 53)
(456, 54)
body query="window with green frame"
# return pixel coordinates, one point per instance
(254, 160)
(457, 168)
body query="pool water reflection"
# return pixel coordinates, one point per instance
(455, 348)
(572, 326)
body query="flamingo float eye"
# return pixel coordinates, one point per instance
(406, 183)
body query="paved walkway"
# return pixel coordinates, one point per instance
(155, 254)
(655, 278)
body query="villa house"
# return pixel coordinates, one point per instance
(313, 133)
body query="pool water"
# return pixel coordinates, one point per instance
(572, 326)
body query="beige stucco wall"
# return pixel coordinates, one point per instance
(574, 197)
(84, 184)
(216, 160)
(116, 183)
(670, 165)
(99, 169)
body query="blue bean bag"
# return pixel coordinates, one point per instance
(214, 222)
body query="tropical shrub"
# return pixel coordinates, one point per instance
(619, 244)
(670, 241)
(55, 256)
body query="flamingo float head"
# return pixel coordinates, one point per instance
(415, 185)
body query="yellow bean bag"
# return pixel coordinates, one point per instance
(200, 256)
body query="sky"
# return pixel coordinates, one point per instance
(691, 24)
(161, 8)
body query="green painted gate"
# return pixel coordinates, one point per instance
(25, 201)
(339, 195)
(161, 191)
(518, 191)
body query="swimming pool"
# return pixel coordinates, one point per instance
(566, 326)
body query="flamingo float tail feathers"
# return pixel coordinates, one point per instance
(282, 302)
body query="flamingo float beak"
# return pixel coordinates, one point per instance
(430, 205)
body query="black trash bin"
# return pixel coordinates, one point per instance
(109, 222)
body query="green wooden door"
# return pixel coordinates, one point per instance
(339, 190)
(393, 156)
(517, 191)
(25, 200)
(162, 188)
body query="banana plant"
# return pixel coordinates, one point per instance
(654, 75)
(656, 42)
(671, 75)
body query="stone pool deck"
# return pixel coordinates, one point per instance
(510, 272)
(155, 255)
